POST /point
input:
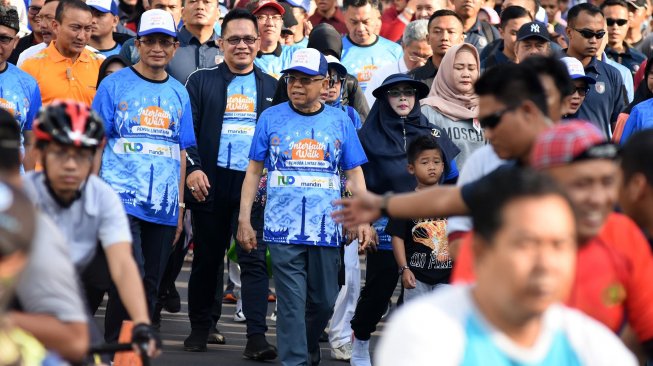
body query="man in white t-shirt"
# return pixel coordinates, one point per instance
(525, 255)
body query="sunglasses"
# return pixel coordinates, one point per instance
(493, 120)
(582, 90)
(334, 79)
(234, 41)
(396, 93)
(619, 22)
(164, 43)
(588, 34)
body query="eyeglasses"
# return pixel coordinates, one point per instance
(290, 79)
(494, 119)
(588, 34)
(33, 9)
(264, 18)
(581, 90)
(164, 43)
(619, 22)
(396, 93)
(6, 40)
(234, 41)
(80, 157)
(44, 18)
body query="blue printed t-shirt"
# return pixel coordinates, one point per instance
(147, 124)
(21, 97)
(111, 51)
(361, 61)
(239, 121)
(302, 153)
(273, 63)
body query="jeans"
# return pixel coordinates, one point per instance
(380, 282)
(151, 246)
(306, 279)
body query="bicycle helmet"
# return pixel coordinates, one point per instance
(69, 122)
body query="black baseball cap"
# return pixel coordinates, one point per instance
(9, 18)
(533, 30)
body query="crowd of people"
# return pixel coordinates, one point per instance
(491, 159)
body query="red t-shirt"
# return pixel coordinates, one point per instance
(392, 27)
(614, 276)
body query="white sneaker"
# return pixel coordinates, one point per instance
(342, 353)
(360, 353)
(239, 316)
(273, 316)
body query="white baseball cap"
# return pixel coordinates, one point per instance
(308, 61)
(335, 63)
(157, 21)
(576, 70)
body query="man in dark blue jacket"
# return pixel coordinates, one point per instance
(226, 101)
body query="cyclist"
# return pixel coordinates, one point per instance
(86, 209)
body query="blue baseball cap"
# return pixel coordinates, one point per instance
(105, 6)
(157, 21)
(304, 4)
(308, 61)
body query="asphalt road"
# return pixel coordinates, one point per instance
(176, 327)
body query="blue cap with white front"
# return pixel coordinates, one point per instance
(157, 21)
(308, 61)
(305, 4)
(576, 70)
(104, 6)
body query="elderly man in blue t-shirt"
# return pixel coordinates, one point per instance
(305, 145)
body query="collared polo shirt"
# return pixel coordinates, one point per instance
(192, 55)
(337, 21)
(59, 77)
(425, 73)
(605, 100)
(631, 59)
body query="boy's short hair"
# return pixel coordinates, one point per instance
(421, 144)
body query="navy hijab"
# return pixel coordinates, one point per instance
(385, 137)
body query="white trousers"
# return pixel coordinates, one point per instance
(340, 328)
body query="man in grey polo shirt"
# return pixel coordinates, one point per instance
(198, 47)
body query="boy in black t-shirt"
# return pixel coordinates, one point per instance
(420, 246)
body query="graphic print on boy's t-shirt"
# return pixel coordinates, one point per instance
(431, 234)
(239, 122)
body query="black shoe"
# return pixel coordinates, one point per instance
(196, 341)
(324, 337)
(156, 317)
(215, 337)
(258, 349)
(172, 303)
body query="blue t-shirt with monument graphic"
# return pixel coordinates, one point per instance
(21, 97)
(239, 122)
(302, 154)
(147, 123)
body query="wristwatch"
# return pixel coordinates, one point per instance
(403, 268)
(384, 204)
(182, 205)
(409, 10)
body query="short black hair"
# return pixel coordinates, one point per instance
(575, 11)
(637, 156)
(554, 68)
(9, 143)
(445, 13)
(502, 187)
(513, 12)
(360, 3)
(72, 4)
(238, 13)
(614, 3)
(421, 144)
(521, 85)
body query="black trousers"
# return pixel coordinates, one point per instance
(254, 278)
(212, 232)
(152, 244)
(380, 282)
